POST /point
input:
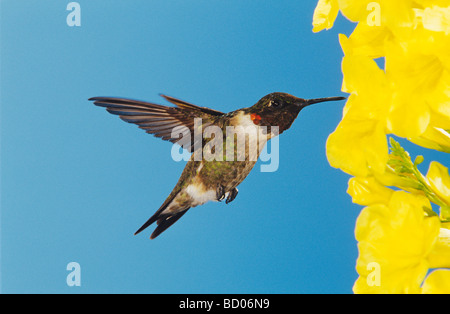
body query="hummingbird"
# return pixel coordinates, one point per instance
(202, 179)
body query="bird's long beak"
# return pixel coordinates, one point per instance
(317, 100)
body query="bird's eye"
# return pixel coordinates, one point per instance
(275, 104)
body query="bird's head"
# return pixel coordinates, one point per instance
(281, 109)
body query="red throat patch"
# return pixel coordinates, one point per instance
(256, 118)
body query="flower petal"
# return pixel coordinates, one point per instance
(439, 180)
(437, 282)
(325, 14)
(440, 255)
(358, 145)
(354, 10)
(365, 41)
(398, 238)
(368, 191)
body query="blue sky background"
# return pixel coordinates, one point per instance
(77, 182)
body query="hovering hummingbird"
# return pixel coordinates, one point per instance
(205, 180)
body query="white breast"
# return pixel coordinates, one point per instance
(199, 195)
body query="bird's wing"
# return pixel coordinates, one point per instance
(172, 124)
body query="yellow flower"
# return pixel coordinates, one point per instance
(440, 255)
(392, 14)
(433, 138)
(402, 14)
(439, 181)
(365, 41)
(438, 282)
(414, 78)
(390, 178)
(368, 191)
(417, 66)
(354, 10)
(414, 37)
(325, 14)
(434, 18)
(437, 136)
(359, 143)
(397, 238)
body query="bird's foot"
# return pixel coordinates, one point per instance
(220, 192)
(232, 195)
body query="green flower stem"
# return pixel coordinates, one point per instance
(404, 167)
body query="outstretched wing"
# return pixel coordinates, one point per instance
(169, 123)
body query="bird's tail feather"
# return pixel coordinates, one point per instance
(164, 220)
